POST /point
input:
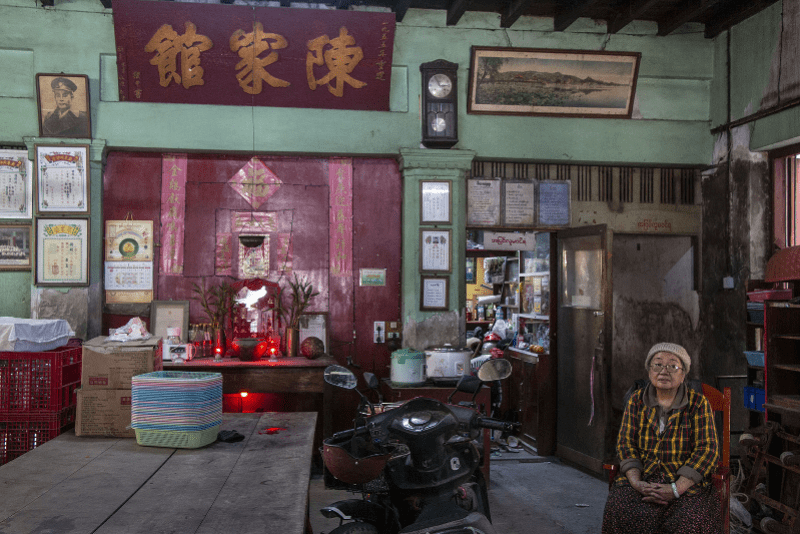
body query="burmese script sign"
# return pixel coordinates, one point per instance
(175, 52)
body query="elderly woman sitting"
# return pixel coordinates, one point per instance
(668, 449)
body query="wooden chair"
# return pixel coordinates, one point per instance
(720, 402)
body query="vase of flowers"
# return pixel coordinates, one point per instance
(217, 302)
(302, 291)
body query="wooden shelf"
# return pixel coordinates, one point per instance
(787, 367)
(791, 337)
(524, 355)
(540, 273)
(534, 316)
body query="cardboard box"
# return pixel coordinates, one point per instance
(104, 412)
(112, 364)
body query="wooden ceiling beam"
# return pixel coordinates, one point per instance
(456, 10)
(732, 13)
(686, 13)
(400, 9)
(513, 12)
(573, 12)
(625, 15)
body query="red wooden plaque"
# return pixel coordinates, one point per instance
(188, 53)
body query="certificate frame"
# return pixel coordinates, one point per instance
(168, 314)
(15, 247)
(434, 293)
(56, 242)
(554, 203)
(16, 162)
(435, 246)
(435, 202)
(72, 159)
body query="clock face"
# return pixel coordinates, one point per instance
(440, 85)
(438, 124)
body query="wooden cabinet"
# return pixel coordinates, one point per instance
(782, 359)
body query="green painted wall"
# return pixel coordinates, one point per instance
(670, 126)
(755, 59)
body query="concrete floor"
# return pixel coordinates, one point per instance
(528, 494)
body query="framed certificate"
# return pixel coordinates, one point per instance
(434, 294)
(62, 252)
(435, 202)
(62, 179)
(434, 250)
(16, 179)
(169, 314)
(554, 203)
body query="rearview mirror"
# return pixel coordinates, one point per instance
(340, 377)
(493, 370)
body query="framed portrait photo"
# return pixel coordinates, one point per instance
(63, 103)
(15, 247)
(62, 252)
(62, 179)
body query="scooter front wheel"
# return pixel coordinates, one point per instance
(355, 528)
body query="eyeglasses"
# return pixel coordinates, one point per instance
(671, 369)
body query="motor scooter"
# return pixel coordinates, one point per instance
(416, 465)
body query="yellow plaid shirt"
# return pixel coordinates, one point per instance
(688, 446)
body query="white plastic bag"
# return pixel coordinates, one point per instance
(133, 330)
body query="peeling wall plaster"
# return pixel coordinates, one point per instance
(434, 331)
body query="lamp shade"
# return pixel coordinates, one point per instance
(784, 265)
(251, 241)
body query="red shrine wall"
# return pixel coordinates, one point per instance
(329, 217)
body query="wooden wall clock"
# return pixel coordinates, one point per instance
(439, 104)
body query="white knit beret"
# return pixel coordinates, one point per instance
(672, 348)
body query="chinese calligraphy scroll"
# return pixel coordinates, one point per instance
(340, 177)
(253, 56)
(173, 208)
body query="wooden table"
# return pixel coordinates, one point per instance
(112, 485)
(278, 375)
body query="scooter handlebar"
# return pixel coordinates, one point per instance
(494, 424)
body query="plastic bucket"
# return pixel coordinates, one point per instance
(408, 368)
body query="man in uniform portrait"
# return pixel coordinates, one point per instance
(64, 121)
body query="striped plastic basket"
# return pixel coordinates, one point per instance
(176, 409)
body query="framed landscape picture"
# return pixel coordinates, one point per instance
(567, 83)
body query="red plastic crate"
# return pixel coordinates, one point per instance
(36, 382)
(20, 433)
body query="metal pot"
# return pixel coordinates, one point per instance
(447, 364)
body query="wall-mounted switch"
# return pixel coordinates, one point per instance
(727, 282)
(379, 332)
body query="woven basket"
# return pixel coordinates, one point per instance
(177, 439)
